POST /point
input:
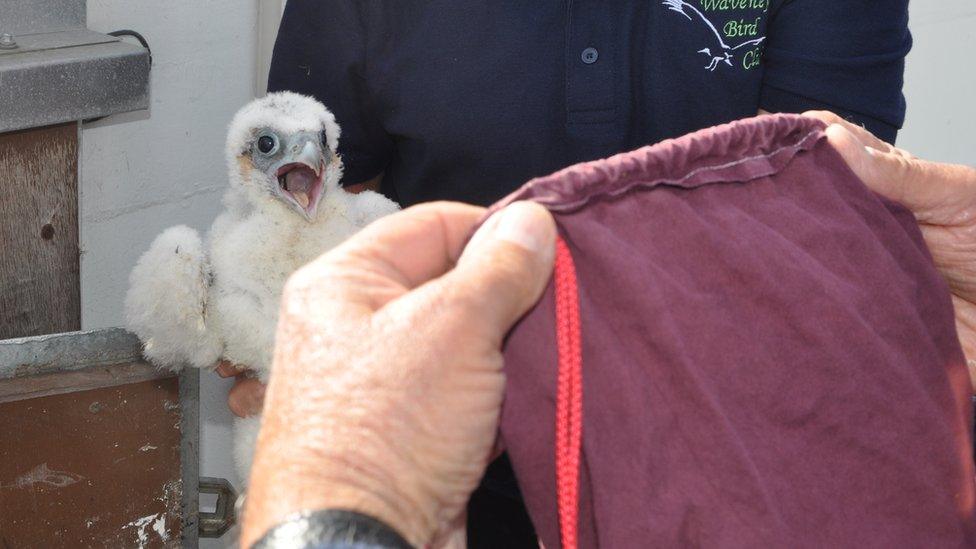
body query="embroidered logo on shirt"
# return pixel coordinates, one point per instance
(722, 52)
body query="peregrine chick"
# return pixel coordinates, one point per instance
(194, 302)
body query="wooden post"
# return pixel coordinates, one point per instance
(39, 263)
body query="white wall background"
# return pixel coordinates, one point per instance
(941, 82)
(146, 171)
(143, 172)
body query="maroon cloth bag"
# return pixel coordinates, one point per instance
(768, 356)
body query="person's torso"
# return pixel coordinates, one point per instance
(478, 97)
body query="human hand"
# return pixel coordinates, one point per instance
(943, 199)
(246, 397)
(387, 379)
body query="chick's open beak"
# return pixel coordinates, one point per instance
(299, 177)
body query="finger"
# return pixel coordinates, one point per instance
(354, 189)
(865, 137)
(226, 368)
(246, 397)
(936, 193)
(501, 274)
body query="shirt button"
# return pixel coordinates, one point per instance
(590, 55)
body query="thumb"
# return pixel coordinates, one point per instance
(504, 268)
(933, 192)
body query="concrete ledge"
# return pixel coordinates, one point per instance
(38, 355)
(52, 86)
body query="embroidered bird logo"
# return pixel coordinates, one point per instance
(724, 52)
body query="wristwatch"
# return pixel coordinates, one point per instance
(331, 529)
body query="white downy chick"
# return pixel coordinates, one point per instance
(192, 304)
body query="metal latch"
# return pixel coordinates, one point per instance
(215, 524)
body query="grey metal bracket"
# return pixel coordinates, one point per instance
(54, 70)
(215, 524)
(27, 356)
(55, 41)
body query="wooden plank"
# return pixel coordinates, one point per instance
(96, 468)
(39, 264)
(60, 383)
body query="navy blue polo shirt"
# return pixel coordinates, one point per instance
(466, 100)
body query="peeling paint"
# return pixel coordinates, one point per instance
(172, 492)
(147, 447)
(155, 521)
(42, 474)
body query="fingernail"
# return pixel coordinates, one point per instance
(871, 152)
(520, 223)
(524, 225)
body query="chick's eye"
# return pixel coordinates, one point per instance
(266, 144)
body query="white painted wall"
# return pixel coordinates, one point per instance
(940, 82)
(269, 16)
(146, 171)
(143, 172)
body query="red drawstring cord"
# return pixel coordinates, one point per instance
(569, 395)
